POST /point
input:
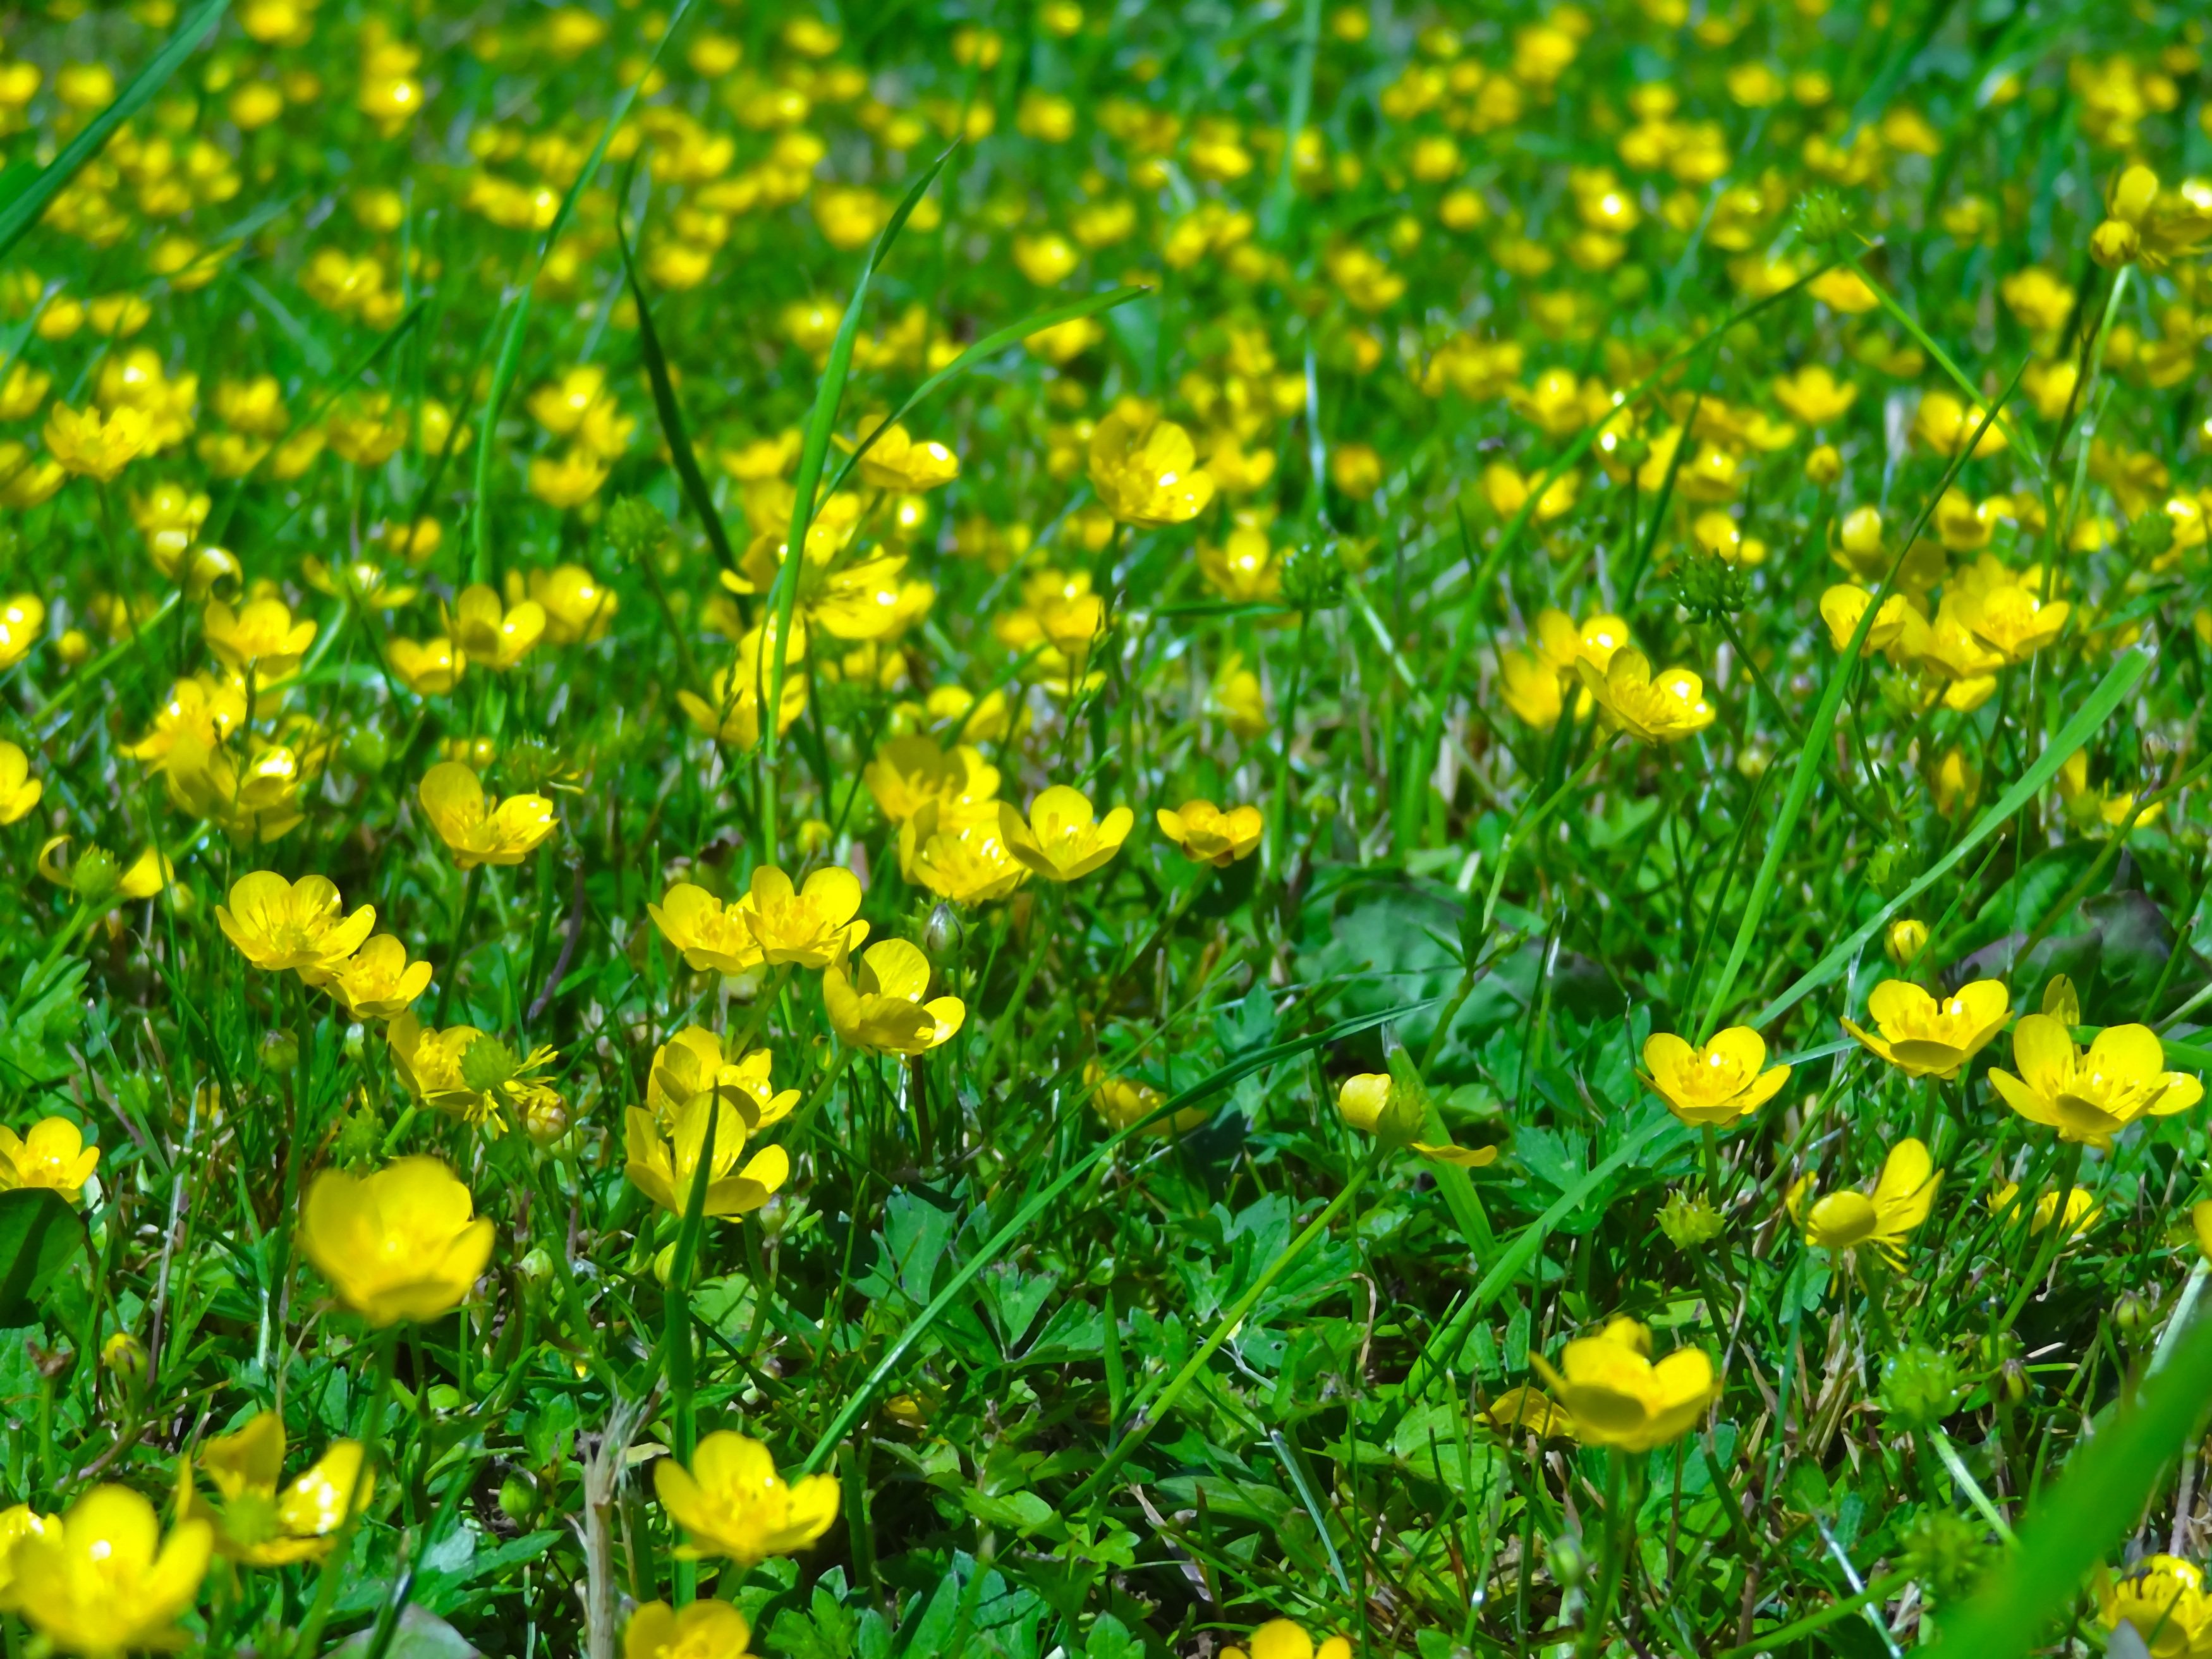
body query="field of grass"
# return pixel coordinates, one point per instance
(1451, 907)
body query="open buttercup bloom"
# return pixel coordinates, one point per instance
(477, 830)
(495, 635)
(1653, 709)
(257, 1522)
(1609, 1385)
(1207, 835)
(810, 925)
(378, 981)
(1524, 1410)
(1147, 471)
(277, 924)
(2090, 1097)
(402, 1242)
(693, 1063)
(19, 791)
(1279, 1638)
(665, 1166)
(1715, 1085)
(711, 1628)
(105, 1579)
(880, 1005)
(1903, 1194)
(2162, 1600)
(1063, 839)
(1924, 1037)
(731, 1504)
(51, 1154)
(895, 460)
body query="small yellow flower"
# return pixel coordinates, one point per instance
(692, 1063)
(1665, 709)
(259, 1525)
(811, 924)
(909, 772)
(663, 1167)
(1529, 1411)
(1370, 1102)
(404, 1243)
(2091, 1098)
(730, 711)
(99, 877)
(712, 1629)
(105, 1579)
(2162, 1598)
(733, 1503)
(1901, 1200)
(2082, 1209)
(18, 1522)
(261, 640)
(895, 461)
(90, 447)
(1923, 1037)
(1278, 1638)
(1209, 835)
(1617, 1397)
(1718, 1085)
(1124, 1101)
(429, 668)
(474, 828)
(969, 865)
(883, 1011)
(377, 982)
(1906, 938)
(1146, 473)
(52, 1155)
(490, 634)
(578, 610)
(20, 620)
(277, 924)
(1062, 839)
(1814, 395)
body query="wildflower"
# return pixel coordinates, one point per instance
(259, 1525)
(733, 1505)
(2082, 1209)
(1062, 839)
(970, 866)
(52, 1155)
(105, 1579)
(1242, 568)
(2162, 1598)
(910, 772)
(377, 982)
(465, 1073)
(1663, 710)
(1842, 605)
(475, 829)
(1904, 940)
(811, 924)
(1814, 395)
(712, 1629)
(663, 1167)
(730, 711)
(400, 1243)
(429, 668)
(1616, 1396)
(99, 877)
(1902, 1197)
(1146, 473)
(1945, 424)
(1209, 835)
(91, 447)
(1372, 1103)
(261, 642)
(20, 620)
(2010, 619)
(1278, 1638)
(1717, 1085)
(277, 924)
(578, 610)
(2091, 1098)
(1125, 1101)
(17, 1523)
(495, 635)
(895, 461)
(2143, 224)
(692, 1063)
(1923, 1037)
(883, 1011)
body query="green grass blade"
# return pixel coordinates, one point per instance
(671, 414)
(2092, 1506)
(2117, 685)
(21, 213)
(997, 1245)
(990, 345)
(509, 363)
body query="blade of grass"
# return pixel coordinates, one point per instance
(2086, 1512)
(1219, 1081)
(1810, 753)
(17, 217)
(672, 413)
(509, 363)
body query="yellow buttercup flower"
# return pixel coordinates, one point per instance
(1664, 709)
(895, 461)
(881, 1008)
(261, 640)
(811, 924)
(257, 1523)
(1062, 839)
(92, 447)
(1209, 835)
(404, 1243)
(712, 1629)
(2082, 1209)
(495, 635)
(1617, 1397)
(692, 1063)
(475, 829)
(733, 1503)
(910, 772)
(2162, 1599)
(18, 1522)
(1371, 1102)
(1278, 1638)
(277, 924)
(2091, 1098)
(1147, 471)
(1923, 1037)
(1125, 1102)
(1904, 940)
(463, 1072)
(1902, 1197)
(663, 1166)
(20, 620)
(429, 668)
(52, 1155)
(970, 866)
(1718, 1084)
(730, 711)
(99, 878)
(1814, 395)
(377, 982)
(578, 610)
(106, 1580)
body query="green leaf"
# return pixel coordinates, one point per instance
(23, 211)
(40, 1235)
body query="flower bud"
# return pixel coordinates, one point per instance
(519, 1496)
(536, 1268)
(2115, 243)
(942, 936)
(1824, 467)
(280, 1051)
(125, 1355)
(1570, 1564)
(1906, 938)
(2132, 1314)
